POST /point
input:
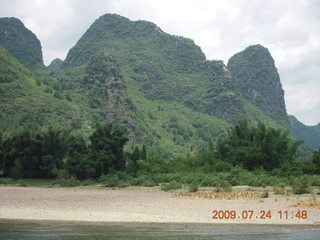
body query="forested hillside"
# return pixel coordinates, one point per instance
(25, 103)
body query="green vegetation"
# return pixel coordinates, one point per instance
(193, 187)
(171, 185)
(254, 147)
(316, 159)
(301, 185)
(38, 182)
(25, 104)
(50, 152)
(60, 154)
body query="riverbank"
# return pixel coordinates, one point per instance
(145, 205)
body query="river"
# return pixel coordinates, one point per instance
(59, 230)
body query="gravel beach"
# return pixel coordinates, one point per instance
(141, 205)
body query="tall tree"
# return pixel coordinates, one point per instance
(107, 146)
(316, 159)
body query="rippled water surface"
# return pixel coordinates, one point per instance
(22, 230)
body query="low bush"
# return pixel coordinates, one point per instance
(300, 185)
(188, 178)
(209, 180)
(166, 177)
(110, 180)
(138, 181)
(315, 180)
(223, 186)
(265, 194)
(148, 183)
(279, 190)
(193, 187)
(87, 182)
(64, 179)
(171, 185)
(70, 181)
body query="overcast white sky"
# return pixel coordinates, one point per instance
(290, 29)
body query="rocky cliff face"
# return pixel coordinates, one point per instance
(106, 89)
(259, 82)
(20, 42)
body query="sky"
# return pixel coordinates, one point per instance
(289, 29)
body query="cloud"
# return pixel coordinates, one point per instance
(220, 27)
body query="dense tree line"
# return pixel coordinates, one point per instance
(43, 153)
(38, 154)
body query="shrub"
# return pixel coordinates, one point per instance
(148, 183)
(171, 185)
(315, 180)
(238, 176)
(193, 187)
(71, 181)
(223, 186)
(300, 185)
(220, 166)
(110, 180)
(87, 182)
(138, 181)
(64, 179)
(134, 182)
(192, 177)
(166, 177)
(122, 176)
(279, 190)
(265, 194)
(209, 180)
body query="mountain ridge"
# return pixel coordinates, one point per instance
(159, 86)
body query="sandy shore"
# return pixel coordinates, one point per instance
(143, 205)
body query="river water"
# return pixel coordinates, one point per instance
(49, 230)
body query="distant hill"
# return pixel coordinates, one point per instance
(309, 134)
(55, 64)
(20, 42)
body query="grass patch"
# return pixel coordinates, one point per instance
(28, 182)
